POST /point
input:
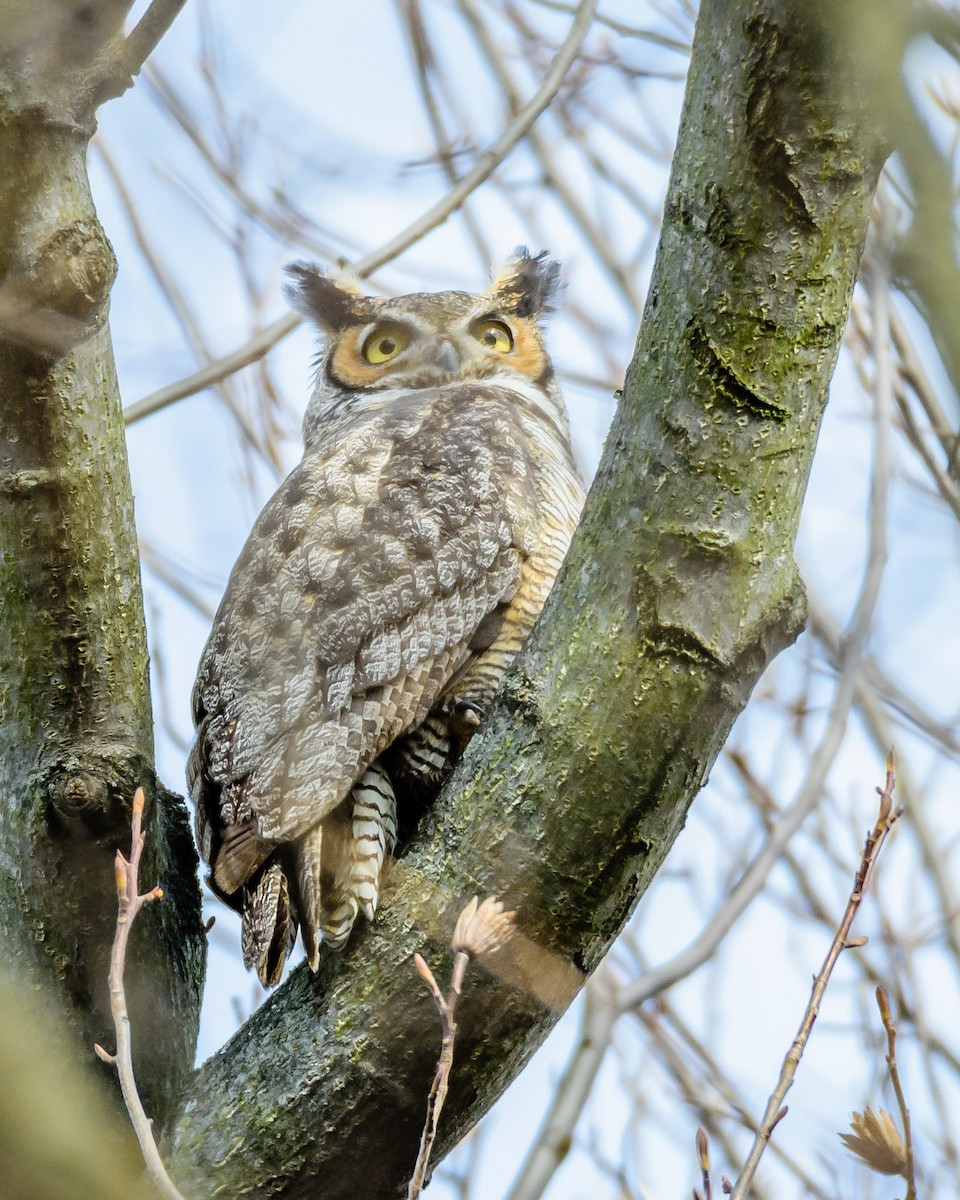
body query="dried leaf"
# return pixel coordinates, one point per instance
(876, 1141)
(482, 928)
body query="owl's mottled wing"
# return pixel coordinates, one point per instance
(354, 602)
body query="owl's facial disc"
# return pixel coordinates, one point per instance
(420, 342)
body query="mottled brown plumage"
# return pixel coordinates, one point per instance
(382, 593)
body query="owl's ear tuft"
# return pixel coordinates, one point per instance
(528, 285)
(333, 301)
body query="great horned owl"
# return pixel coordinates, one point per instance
(381, 595)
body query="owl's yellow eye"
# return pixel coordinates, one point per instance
(494, 335)
(385, 343)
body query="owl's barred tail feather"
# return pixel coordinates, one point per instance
(308, 860)
(364, 834)
(322, 881)
(268, 928)
(374, 836)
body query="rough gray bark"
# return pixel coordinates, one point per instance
(75, 724)
(679, 589)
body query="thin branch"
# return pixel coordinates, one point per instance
(596, 237)
(481, 929)
(129, 904)
(929, 838)
(172, 576)
(754, 877)
(177, 301)
(483, 168)
(663, 1019)
(911, 366)
(631, 31)
(425, 62)
(878, 276)
(446, 1006)
(926, 1043)
(494, 155)
(909, 1172)
(775, 1111)
(127, 55)
(285, 222)
(873, 679)
(217, 370)
(815, 907)
(146, 34)
(909, 373)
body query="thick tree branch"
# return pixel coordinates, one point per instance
(678, 591)
(75, 725)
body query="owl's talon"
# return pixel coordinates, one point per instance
(368, 836)
(463, 722)
(336, 926)
(468, 713)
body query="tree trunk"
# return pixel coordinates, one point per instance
(75, 724)
(679, 590)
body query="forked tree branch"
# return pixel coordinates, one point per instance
(679, 589)
(123, 60)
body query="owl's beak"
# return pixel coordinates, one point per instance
(444, 355)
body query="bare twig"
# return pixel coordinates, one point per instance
(909, 376)
(909, 1170)
(483, 168)
(632, 31)
(177, 300)
(912, 369)
(129, 904)
(875, 680)
(752, 881)
(855, 638)
(426, 63)
(481, 929)
(596, 238)
(703, 1158)
(262, 341)
(282, 218)
(775, 1109)
(699, 1081)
